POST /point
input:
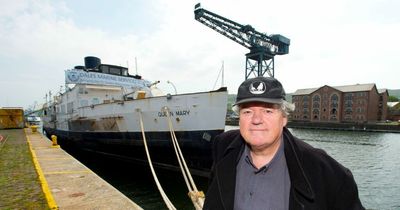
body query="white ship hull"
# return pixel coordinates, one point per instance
(114, 128)
(104, 109)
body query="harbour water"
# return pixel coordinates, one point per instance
(372, 157)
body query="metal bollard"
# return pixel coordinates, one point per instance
(34, 128)
(54, 140)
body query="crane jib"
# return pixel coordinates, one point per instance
(262, 47)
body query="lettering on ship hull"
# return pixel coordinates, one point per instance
(177, 113)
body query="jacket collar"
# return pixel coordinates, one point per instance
(226, 171)
(298, 178)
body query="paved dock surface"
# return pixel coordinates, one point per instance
(68, 184)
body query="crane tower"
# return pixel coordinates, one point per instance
(262, 47)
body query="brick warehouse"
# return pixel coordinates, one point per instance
(351, 103)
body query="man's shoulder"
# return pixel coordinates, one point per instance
(229, 135)
(227, 139)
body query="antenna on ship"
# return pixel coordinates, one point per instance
(222, 79)
(45, 97)
(136, 66)
(49, 96)
(221, 72)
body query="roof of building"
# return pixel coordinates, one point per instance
(392, 104)
(305, 91)
(344, 88)
(382, 90)
(355, 88)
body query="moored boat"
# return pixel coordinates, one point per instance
(104, 109)
(33, 120)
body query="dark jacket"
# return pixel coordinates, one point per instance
(317, 180)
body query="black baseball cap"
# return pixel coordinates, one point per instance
(260, 89)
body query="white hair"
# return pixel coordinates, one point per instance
(285, 107)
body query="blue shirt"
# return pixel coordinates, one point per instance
(265, 188)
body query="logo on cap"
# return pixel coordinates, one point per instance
(260, 88)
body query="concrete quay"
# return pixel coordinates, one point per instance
(67, 183)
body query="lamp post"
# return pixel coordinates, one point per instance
(169, 82)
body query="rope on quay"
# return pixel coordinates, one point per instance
(160, 189)
(196, 196)
(2, 142)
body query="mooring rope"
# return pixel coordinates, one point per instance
(196, 196)
(160, 189)
(2, 142)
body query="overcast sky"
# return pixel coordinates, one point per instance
(336, 42)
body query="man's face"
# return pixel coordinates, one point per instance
(261, 124)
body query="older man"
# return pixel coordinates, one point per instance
(263, 166)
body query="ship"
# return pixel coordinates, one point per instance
(33, 120)
(105, 110)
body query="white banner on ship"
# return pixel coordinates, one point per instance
(74, 76)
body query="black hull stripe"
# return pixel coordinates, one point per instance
(195, 145)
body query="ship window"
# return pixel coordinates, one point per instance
(104, 69)
(95, 101)
(115, 71)
(80, 90)
(63, 109)
(70, 107)
(125, 72)
(84, 102)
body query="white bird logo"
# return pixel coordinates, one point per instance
(259, 90)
